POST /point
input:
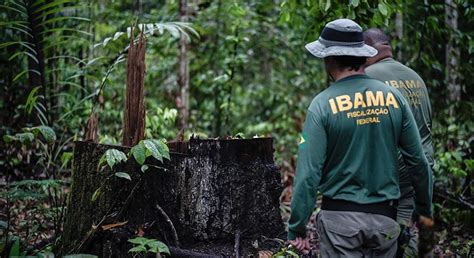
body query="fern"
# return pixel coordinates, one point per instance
(40, 31)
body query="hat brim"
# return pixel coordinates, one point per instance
(319, 50)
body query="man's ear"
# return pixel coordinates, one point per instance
(328, 62)
(369, 61)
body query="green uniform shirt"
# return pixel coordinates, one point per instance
(348, 149)
(414, 90)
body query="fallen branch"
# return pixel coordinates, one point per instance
(89, 235)
(237, 244)
(458, 200)
(170, 223)
(462, 200)
(129, 199)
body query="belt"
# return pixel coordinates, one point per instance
(386, 208)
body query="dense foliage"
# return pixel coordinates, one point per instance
(249, 75)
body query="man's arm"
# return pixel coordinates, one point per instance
(414, 157)
(311, 157)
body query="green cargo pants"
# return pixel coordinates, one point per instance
(356, 234)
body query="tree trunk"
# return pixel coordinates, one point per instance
(452, 55)
(134, 114)
(209, 191)
(36, 70)
(399, 31)
(182, 100)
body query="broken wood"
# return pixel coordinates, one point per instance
(134, 114)
(92, 127)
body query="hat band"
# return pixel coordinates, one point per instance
(330, 43)
(341, 36)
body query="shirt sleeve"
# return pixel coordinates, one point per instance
(417, 164)
(311, 158)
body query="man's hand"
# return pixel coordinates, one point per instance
(426, 222)
(302, 244)
(426, 237)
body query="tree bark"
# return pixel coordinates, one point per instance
(210, 190)
(36, 70)
(182, 100)
(452, 55)
(399, 32)
(134, 114)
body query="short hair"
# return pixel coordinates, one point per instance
(351, 62)
(373, 36)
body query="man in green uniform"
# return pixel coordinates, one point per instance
(383, 67)
(348, 152)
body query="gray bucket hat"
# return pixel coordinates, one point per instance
(341, 37)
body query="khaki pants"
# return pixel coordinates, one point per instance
(406, 206)
(356, 234)
(405, 210)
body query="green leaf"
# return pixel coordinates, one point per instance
(457, 172)
(457, 156)
(31, 100)
(138, 249)
(102, 160)
(383, 9)
(15, 250)
(144, 168)
(152, 146)
(96, 194)
(113, 157)
(66, 157)
(138, 240)
(162, 148)
(355, 3)
(293, 254)
(9, 138)
(47, 132)
(452, 128)
(328, 5)
(25, 138)
(123, 175)
(138, 152)
(158, 247)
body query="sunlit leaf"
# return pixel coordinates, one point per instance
(138, 152)
(123, 175)
(66, 158)
(138, 240)
(25, 138)
(152, 146)
(112, 157)
(46, 131)
(383, 9)
(137, 249)
(96, 194)
(158, 247)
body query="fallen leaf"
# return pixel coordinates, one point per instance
(265, 254)
(114, 225)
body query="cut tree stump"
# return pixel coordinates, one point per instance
(210, 192)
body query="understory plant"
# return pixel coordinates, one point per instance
(143, 246)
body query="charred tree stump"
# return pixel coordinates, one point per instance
(210, 191)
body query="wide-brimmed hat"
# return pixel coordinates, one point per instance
(342, 37)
